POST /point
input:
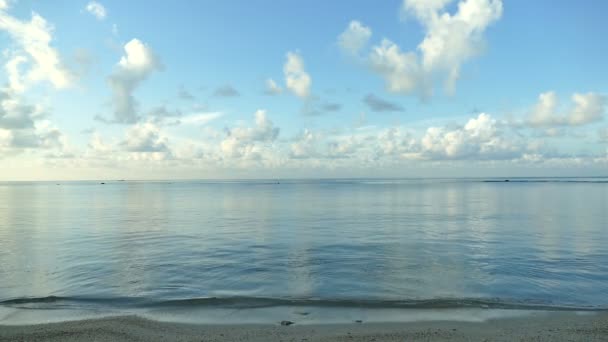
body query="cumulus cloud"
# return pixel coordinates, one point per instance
(400, 70)
(296, 78)
(358, 148)
(244, 142)
(479, 138)
(304, 146)
(97, 10)
(264, 129)
(24, 126)
(272, 88)
(34, 59)
(42, 135)
(544, 111)
(585, 109)
(226, 91)
(396, 142)
(588, 108)
(97, 144)
(30, 60)
(145, 137)
(48, 136)
(354, 38)
(378, 104)
(138, 62)
(450, 40)
(16, 115)
(45, 137)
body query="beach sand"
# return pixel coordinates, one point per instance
(560, 326)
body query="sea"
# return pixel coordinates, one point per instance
(308, 251)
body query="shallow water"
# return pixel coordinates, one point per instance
(394, 244)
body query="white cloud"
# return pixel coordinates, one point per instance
(34, 60)
(586, 108)
(30, 60)
(97, 144)
(15, 81)
(355, 37)
(48, 136)
(133, 68)
(24, 126)
(200, 119)
(250, 149)
(479, 138)
(346, 147)
(305, 146)
(139, 59)
(296, 78)
(450, 40)
(272, 88)
(397, 142)
(544, 111)
(264, 129)
(425, 9)
(16, 115)
(145, 137)
(161, 116)
(357, 148)
(400, 70)
(245, 142)
(97, 10)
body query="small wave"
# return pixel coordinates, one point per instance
(27, 300)
(266, 302)
(50, 301)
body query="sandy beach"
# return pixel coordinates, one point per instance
(562, 326)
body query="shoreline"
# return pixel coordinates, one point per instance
(554, 326)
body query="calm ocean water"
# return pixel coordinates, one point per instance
(538, 243)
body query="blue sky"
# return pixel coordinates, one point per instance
(103, 89)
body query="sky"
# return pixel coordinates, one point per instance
(302, 89)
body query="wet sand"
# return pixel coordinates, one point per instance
(559, 326)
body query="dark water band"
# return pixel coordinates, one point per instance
(57, 302)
